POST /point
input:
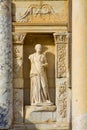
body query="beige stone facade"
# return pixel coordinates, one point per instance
(60, 27)
(45, 23)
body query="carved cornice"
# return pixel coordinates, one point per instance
(18, 37)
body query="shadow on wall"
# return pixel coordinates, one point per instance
(22, 125)
(31, 126)
(26, 124)
(4, 114)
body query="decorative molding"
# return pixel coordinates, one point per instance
(39, 0)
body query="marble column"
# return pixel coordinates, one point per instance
(5, 65)
(79, 65)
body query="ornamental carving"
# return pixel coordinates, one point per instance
(35, 10)
(41, 12)
(62, 100)
(18, 60)
(4, 4)
(18, 37)
(61, 37)
(61, 61)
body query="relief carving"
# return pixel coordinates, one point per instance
(61, 61)
(41, 12)
(35, 10)
(61, 37)
(18, 60)
(62, 100)
(18, 37)
(4, 4)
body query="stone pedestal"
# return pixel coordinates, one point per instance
(5, 65)
(79, 65)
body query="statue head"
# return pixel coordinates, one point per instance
(38, 48)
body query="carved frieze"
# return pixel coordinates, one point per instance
(36, 10)
(41, 12)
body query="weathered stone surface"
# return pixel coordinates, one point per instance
(18, 106)
(54, 12)
(18, 61)
(79, 65)
(5, 65)
(18, 83)
(30, 20)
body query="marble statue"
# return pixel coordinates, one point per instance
(39, 94)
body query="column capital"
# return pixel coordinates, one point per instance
(18, 37)
(61, 37)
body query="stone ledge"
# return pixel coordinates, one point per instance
(52, 126)
(40, 108)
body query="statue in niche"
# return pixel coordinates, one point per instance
(39, 94)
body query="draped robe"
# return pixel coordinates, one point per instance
(39, 86)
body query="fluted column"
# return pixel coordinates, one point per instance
(79, 65)
(5, 65)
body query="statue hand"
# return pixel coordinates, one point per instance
(44, 65)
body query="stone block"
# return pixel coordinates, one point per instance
(18, 61)
(18, 114)
(18, 83)
(41, 114)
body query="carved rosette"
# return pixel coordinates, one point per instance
(61, 41)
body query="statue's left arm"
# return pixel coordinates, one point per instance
(45, 63)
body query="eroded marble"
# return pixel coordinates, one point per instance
(5, 65)
(18, 106)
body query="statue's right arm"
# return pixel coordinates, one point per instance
(29, 57)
